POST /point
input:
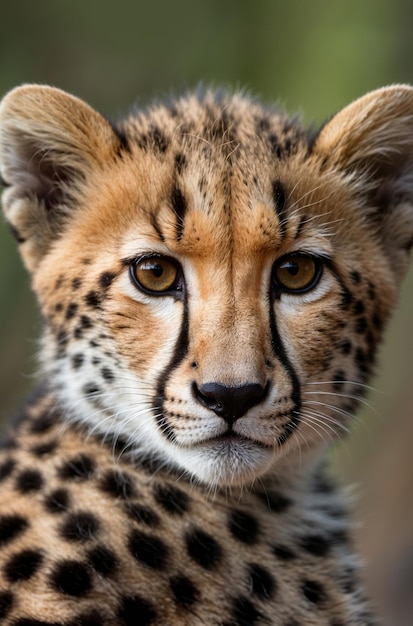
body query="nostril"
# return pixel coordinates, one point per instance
(231, 403)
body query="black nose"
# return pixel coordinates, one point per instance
(231, 403)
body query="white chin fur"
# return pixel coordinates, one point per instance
(225, 463)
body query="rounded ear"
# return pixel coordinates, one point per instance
(49, 143)
(372, 139)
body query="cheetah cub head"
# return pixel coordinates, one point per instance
(214, 278)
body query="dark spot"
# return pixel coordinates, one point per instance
(277, 503)
(159, 140)
(244, 612)
(313, 591)
(78, 360)
(117, 484)
(79, 526)
(77, 468)
(377, 321)
(355, 277)
(142, 514)
(85, 322)
(6, 468)
(180, 162)
(244, 527)
(278, 195)
(91, 389)
(338, 380)
(135, 611)
(371, 291)
(107, 374)
(93, 299)
(262, 581)
(283, 553)
(72, 578)
(23, 565)
(184, 590)
(345, 347)
(57, 501)
(171, 499)
(103, 560)
(29, 480)
(106, 279)
(6, 602)
(76, 283)
(359, 307)
(42, 424)
(71, 310)
(179, 206)
(203, 548)
(361, 325)
(42, 449)
(148, 549)
(315, 544)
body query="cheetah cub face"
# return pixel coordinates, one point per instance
(214, 279)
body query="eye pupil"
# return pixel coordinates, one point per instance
(157, 271)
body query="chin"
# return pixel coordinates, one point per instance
(226, 462)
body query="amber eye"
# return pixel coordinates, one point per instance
(156, 275)
(297, 273)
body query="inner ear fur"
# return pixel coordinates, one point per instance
(50, 141)
(372, 140)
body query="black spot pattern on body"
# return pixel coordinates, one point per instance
(203, 548)
(142, 514)
(6, 468)
(42, 449)
(313, 591)
(42, 424)
(148, 549)
(77, 360)
(172, 499)
(71, 578)
(23, 565)
(93, 299)
(107, 374)
(11, 526)
(244, 527)
(6, 603)
(71, 310)
(179, 206)
(135, 611)
(276, 502)
(80, 467)
(117, 484)
(283, 553)
(29, 480)
(244, 613)
(262, 581)
(315, 544)
(79, 526)
(103, 560)
(58, 501)
(184, 590)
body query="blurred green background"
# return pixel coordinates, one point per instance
(312, 57)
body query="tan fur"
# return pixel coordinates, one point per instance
(226, 189)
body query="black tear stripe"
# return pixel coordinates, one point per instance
(180, 352)
(279, 351)
(179, 206)
(278, 194)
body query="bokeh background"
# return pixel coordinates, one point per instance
(312, 57)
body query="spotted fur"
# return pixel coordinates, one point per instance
(169, 469)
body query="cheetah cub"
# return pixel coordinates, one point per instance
(214, 280)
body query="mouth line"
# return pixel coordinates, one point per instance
(232, 438)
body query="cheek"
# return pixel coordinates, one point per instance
(145, 334)
(312, 337)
